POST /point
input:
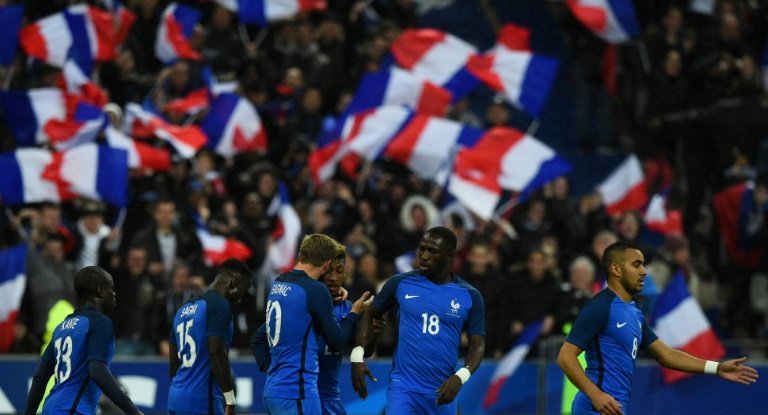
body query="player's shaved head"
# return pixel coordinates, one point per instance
(448, 239)
(615, 253)
(88, 280)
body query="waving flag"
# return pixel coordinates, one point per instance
(624, 189)
(504, 158)
(28, 112)
(680, 323)
(144, 124)
(83, 32)
(140, 155)
(233, 125)
(511, 361)
(262, 12)
(510, 67)
(195, 102)
(79, 85)
(218, 249)
(733, 207)
(10, 24)
(613, 20)
(13, 280)
(84, 127)
(124, 17)
(661, 220)
(176, 27)
(281, 254)
(438, 57)
(394, 86)
(32, 175)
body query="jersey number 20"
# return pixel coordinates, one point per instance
(63, 352)
(186, 340)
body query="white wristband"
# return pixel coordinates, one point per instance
(710, 368)
(357, 355)
(463, 374)
(229, 398)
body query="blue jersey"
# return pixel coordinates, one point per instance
(432, 318)
(610, 332)
(194, 388)
(83, 336)
(299, 309)
(330, 361)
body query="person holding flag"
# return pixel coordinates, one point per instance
(611, 329)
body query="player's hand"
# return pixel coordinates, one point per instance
(448, 390)
(359, 372)
(734, 371)
(229, 410)
(379, 325)
(606, 405)
(362, 303)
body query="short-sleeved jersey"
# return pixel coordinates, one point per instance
(84, 335)
(432, 318)
(194, 388)
(329, 361)
(610, 332)
(298, 310)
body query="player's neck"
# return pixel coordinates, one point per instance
(311, 270)
(441, 279)
(93, 302)
(621, 292)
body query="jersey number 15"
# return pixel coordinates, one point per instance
(185, 339)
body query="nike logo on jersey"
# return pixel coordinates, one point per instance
(620, 325)
(408, 297)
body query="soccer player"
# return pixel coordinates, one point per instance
(201, 380)
(329, 362)
(300, 308)
(611, 329)
(79, 353)
(435, 307)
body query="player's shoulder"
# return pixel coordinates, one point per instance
(299, 278)
(93, 315)
(465, 285)
(601, 302)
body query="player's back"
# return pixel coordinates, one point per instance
(194, 389)
(292, 337)
(330, 362)
(84, 335)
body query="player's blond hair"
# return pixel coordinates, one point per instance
(317, 248)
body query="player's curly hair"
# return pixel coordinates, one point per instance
(317, 248)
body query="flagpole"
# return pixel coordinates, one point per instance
(644, 56)
(533, 127)
(115, 244)
(9, 76)
(20, 229)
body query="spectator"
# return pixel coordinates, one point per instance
(90, 234)
(182, 287)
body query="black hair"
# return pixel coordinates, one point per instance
(88, 280)
(233, 267)
(613, 251)
(449, 238)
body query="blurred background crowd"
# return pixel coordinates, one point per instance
(687, 97)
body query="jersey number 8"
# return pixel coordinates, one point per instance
(274, 337)
(186, 340)
(63, 351)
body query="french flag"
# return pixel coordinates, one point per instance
(438, 57)
(176, 27)
(504, 158)
(195, 102)
(262, 12)
(233, 125)
(281, 254)
(510, 67)
(733, 207)
(124, 17)
(511, 361)
(84, 127)
(28, 112)
(32, 175)
(144, 124)
(218, 249)
(82, 31)
(78, 84)
(612, 20)
(680, 323)
(624, 189)
(661, 220)
(394, 86)
(13, 280)
(140, 155)
(10, 24)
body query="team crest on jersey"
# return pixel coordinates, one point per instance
(455, 307)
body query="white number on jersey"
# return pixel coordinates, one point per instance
(63, 353)
(634, 348)
(274, 337)
(432, 326)
(186, 340)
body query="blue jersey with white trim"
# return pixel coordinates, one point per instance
(610, 332)
(432, 318)
(299, 309)
(194, 388)
(84, 335)
(330, 361)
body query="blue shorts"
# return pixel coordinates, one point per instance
(182, 413)
(333, 407)
(283, 406)
(401, 401)
(583, 406)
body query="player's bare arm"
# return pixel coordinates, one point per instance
(568, 359)
(451, 386)
(731, 370)
(173, 360)
(217, 352)
(365, 336)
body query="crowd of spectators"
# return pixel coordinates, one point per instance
(537, 260)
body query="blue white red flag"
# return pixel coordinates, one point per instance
(193, 103)
(124, 18)
(733, 207)
(78, 84)
(262, 12)
(281, 254)
(233, 125)
(217, 248)
(10, 24)
(615, 21)
(13, 280)
(395, 86)
(625, 188)
(173, 34)
(511, 361)
(662, 220)
(32, 175)
(511, 68)
(28, 112)
(85, 125)
(141, 123)
(140, 155)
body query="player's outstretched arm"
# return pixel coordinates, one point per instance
(568, 359)
(364, 336)
(731, 370)
(451, 386)
(43, 372)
